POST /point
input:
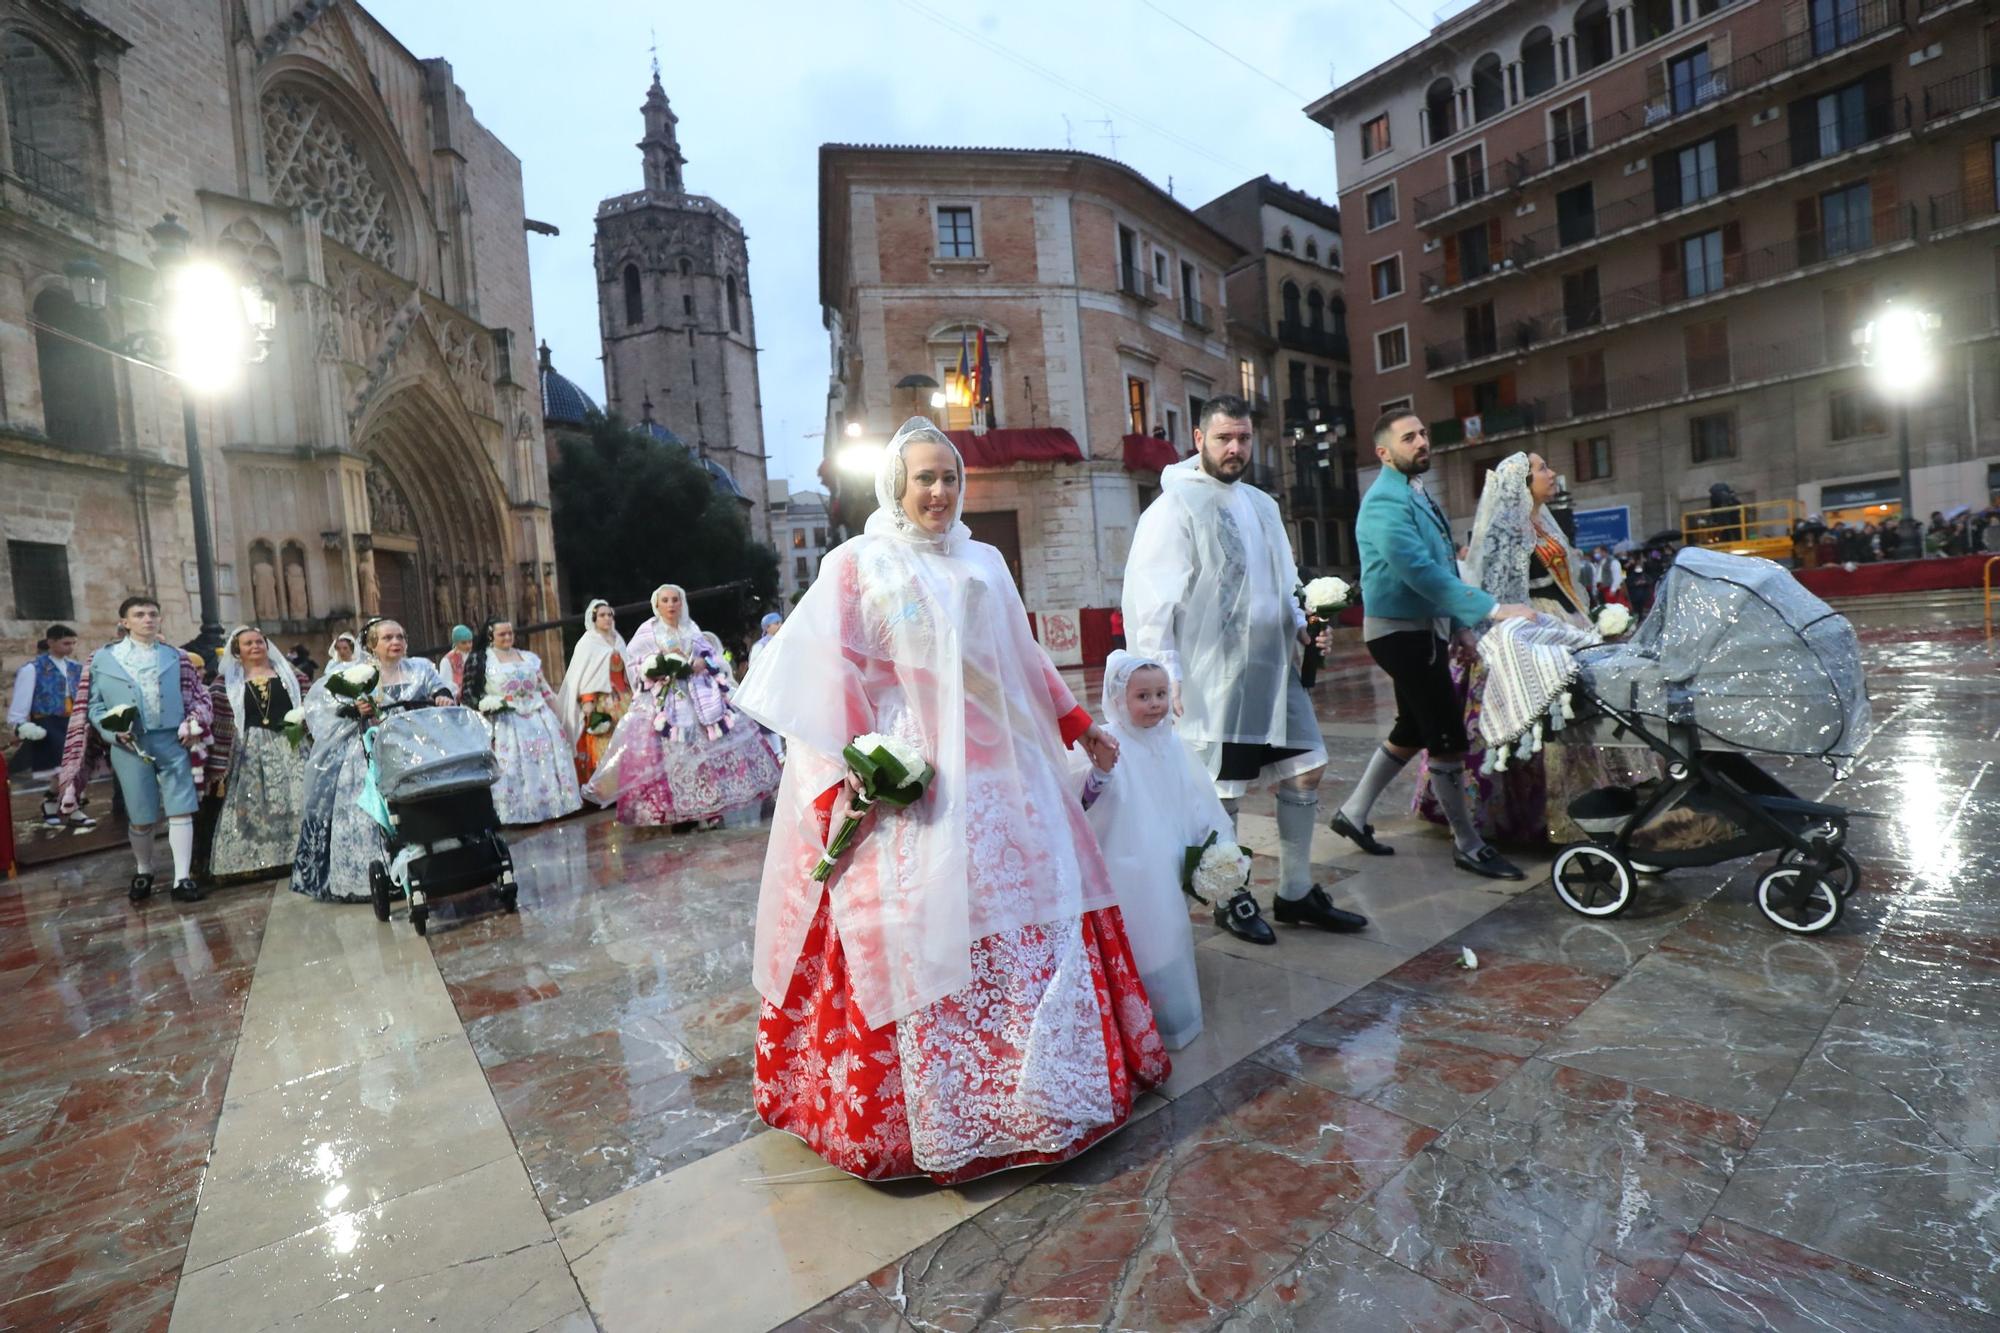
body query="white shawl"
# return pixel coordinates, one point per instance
(589, 669)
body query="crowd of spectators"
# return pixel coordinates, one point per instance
(1967, 532)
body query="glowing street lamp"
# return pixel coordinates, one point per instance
(1898, 349)
(859, 457)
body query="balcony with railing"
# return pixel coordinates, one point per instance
(1735, 273)
(1725, 181)
(1135, 281)
(1849, 28)
(1967, 92)
(1195, 315)
(1318, 341)
(51, 176)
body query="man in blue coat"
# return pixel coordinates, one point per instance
(1416, 610)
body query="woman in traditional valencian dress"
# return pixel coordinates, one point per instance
(342, 653)
(252, 766)
(337, 837)
(595, 692)
(683, 755)
(959, 998)
(537, 768)
(1518, 554)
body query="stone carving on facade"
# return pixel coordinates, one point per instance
(388, 511)
(249, 249)
(441, 602)
(527, 615)
(299, 21)
(364, 568)
(496, 591)
(317, 164)
(298, 604)
(264, 583)
(467, 349)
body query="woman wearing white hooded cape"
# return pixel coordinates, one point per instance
(956, 999)
(595, 690)
(1155, 805)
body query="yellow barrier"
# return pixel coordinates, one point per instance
(1988, 579)
(1763, 528)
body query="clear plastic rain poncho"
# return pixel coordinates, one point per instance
(1736, 646)
(924, 637)
(1157, 803)
(432, 751)
(1228, 642)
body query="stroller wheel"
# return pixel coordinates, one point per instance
(1779, 899)
(1844, 874)
(420, 918)
(378, 889)
(1592, 880)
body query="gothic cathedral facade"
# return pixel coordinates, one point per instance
(680, 344)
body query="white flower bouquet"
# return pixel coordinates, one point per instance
(1214, 870)
(31, 731)
(600, 723)
(354, 682)
(295, 727)
(890, 770)
(493, 705)
(1322, 597)
(667, 666)
(119, 723)
(1613, 620)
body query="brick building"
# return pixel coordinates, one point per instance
(679, 332)
(386, 456)
(1639, 239)
(1288, 298)
(1098, 296)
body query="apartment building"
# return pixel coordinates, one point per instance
(1639, 238)
(1058, 314)
(801, 528)
(1288, 316)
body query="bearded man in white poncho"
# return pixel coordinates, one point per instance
(1208, 595)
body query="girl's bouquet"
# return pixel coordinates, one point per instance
(495, 704)
(354, 682)
(1322, 598)
(667, 669)
(1214, 870)
(118, 723)
(890, 770)
(295, 727)
(31, 731)
(1613, 620)
(600, 723)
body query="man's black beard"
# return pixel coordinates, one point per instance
(1414, 469)
(1229, 481)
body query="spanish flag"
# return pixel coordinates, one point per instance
(965, 366)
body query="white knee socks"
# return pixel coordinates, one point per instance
(1381, 771)
(180, 839)
(1448, 785)
(141, 838)
(1296, 812)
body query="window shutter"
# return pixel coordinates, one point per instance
(1880, 100)
(1493, 243)
(1656, 81)
(1726, 160)
(1451, 261)
(1718, 57)
(1732, 253)
(1507, 389)
(1888, 220)
(1462, 404)
(1976, 180)
(1671, 288)
(1794, 17)
(1805, 217)
(1666, 180)
(1803, 123)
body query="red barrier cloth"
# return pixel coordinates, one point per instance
(1893, 576)
(1149, 453)
(998, 448)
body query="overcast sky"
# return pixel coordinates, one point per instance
(760, 84)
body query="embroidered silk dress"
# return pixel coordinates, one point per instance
(262, 776)
(537, 766)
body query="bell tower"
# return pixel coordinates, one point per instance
(661, 148)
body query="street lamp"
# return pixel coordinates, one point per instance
(209, 319)
(1896, 347)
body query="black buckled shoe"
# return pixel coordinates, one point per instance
(1241, 917)
(1316, 909)
(1488, 863)
(186, 891)
(1363, 837)
(142, 888)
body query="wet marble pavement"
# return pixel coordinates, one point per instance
(263, 1111)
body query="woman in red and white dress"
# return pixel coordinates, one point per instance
(959, 998)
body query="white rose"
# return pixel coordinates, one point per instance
(1224, 869)
(1613, 620)
(361, 677)
(295, 718)
(492, 703)
(31, 731)
(1327, 594)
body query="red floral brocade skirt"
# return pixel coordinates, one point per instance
(839, 1085)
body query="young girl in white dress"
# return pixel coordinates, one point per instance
(1158, 803)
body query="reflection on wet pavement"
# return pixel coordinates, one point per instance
(257, 1111)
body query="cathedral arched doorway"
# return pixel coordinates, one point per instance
(438, 531)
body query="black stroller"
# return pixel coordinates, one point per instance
(434, 770)
(1734, 659)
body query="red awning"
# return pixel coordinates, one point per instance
(1149, 453)
(998, 448)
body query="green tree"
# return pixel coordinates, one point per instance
(632, 512)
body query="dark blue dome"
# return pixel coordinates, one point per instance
(724, 483)
(662, 434)
(562, 402)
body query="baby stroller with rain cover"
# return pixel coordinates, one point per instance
(1734, 659)
(434, 770)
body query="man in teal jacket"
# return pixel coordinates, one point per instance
(1416, 609)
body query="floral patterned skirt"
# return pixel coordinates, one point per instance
(930, 1095)
(258, 829)
(702, 778)
(590, 749)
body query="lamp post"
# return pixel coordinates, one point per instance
(1897, 349)
(208, 318)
